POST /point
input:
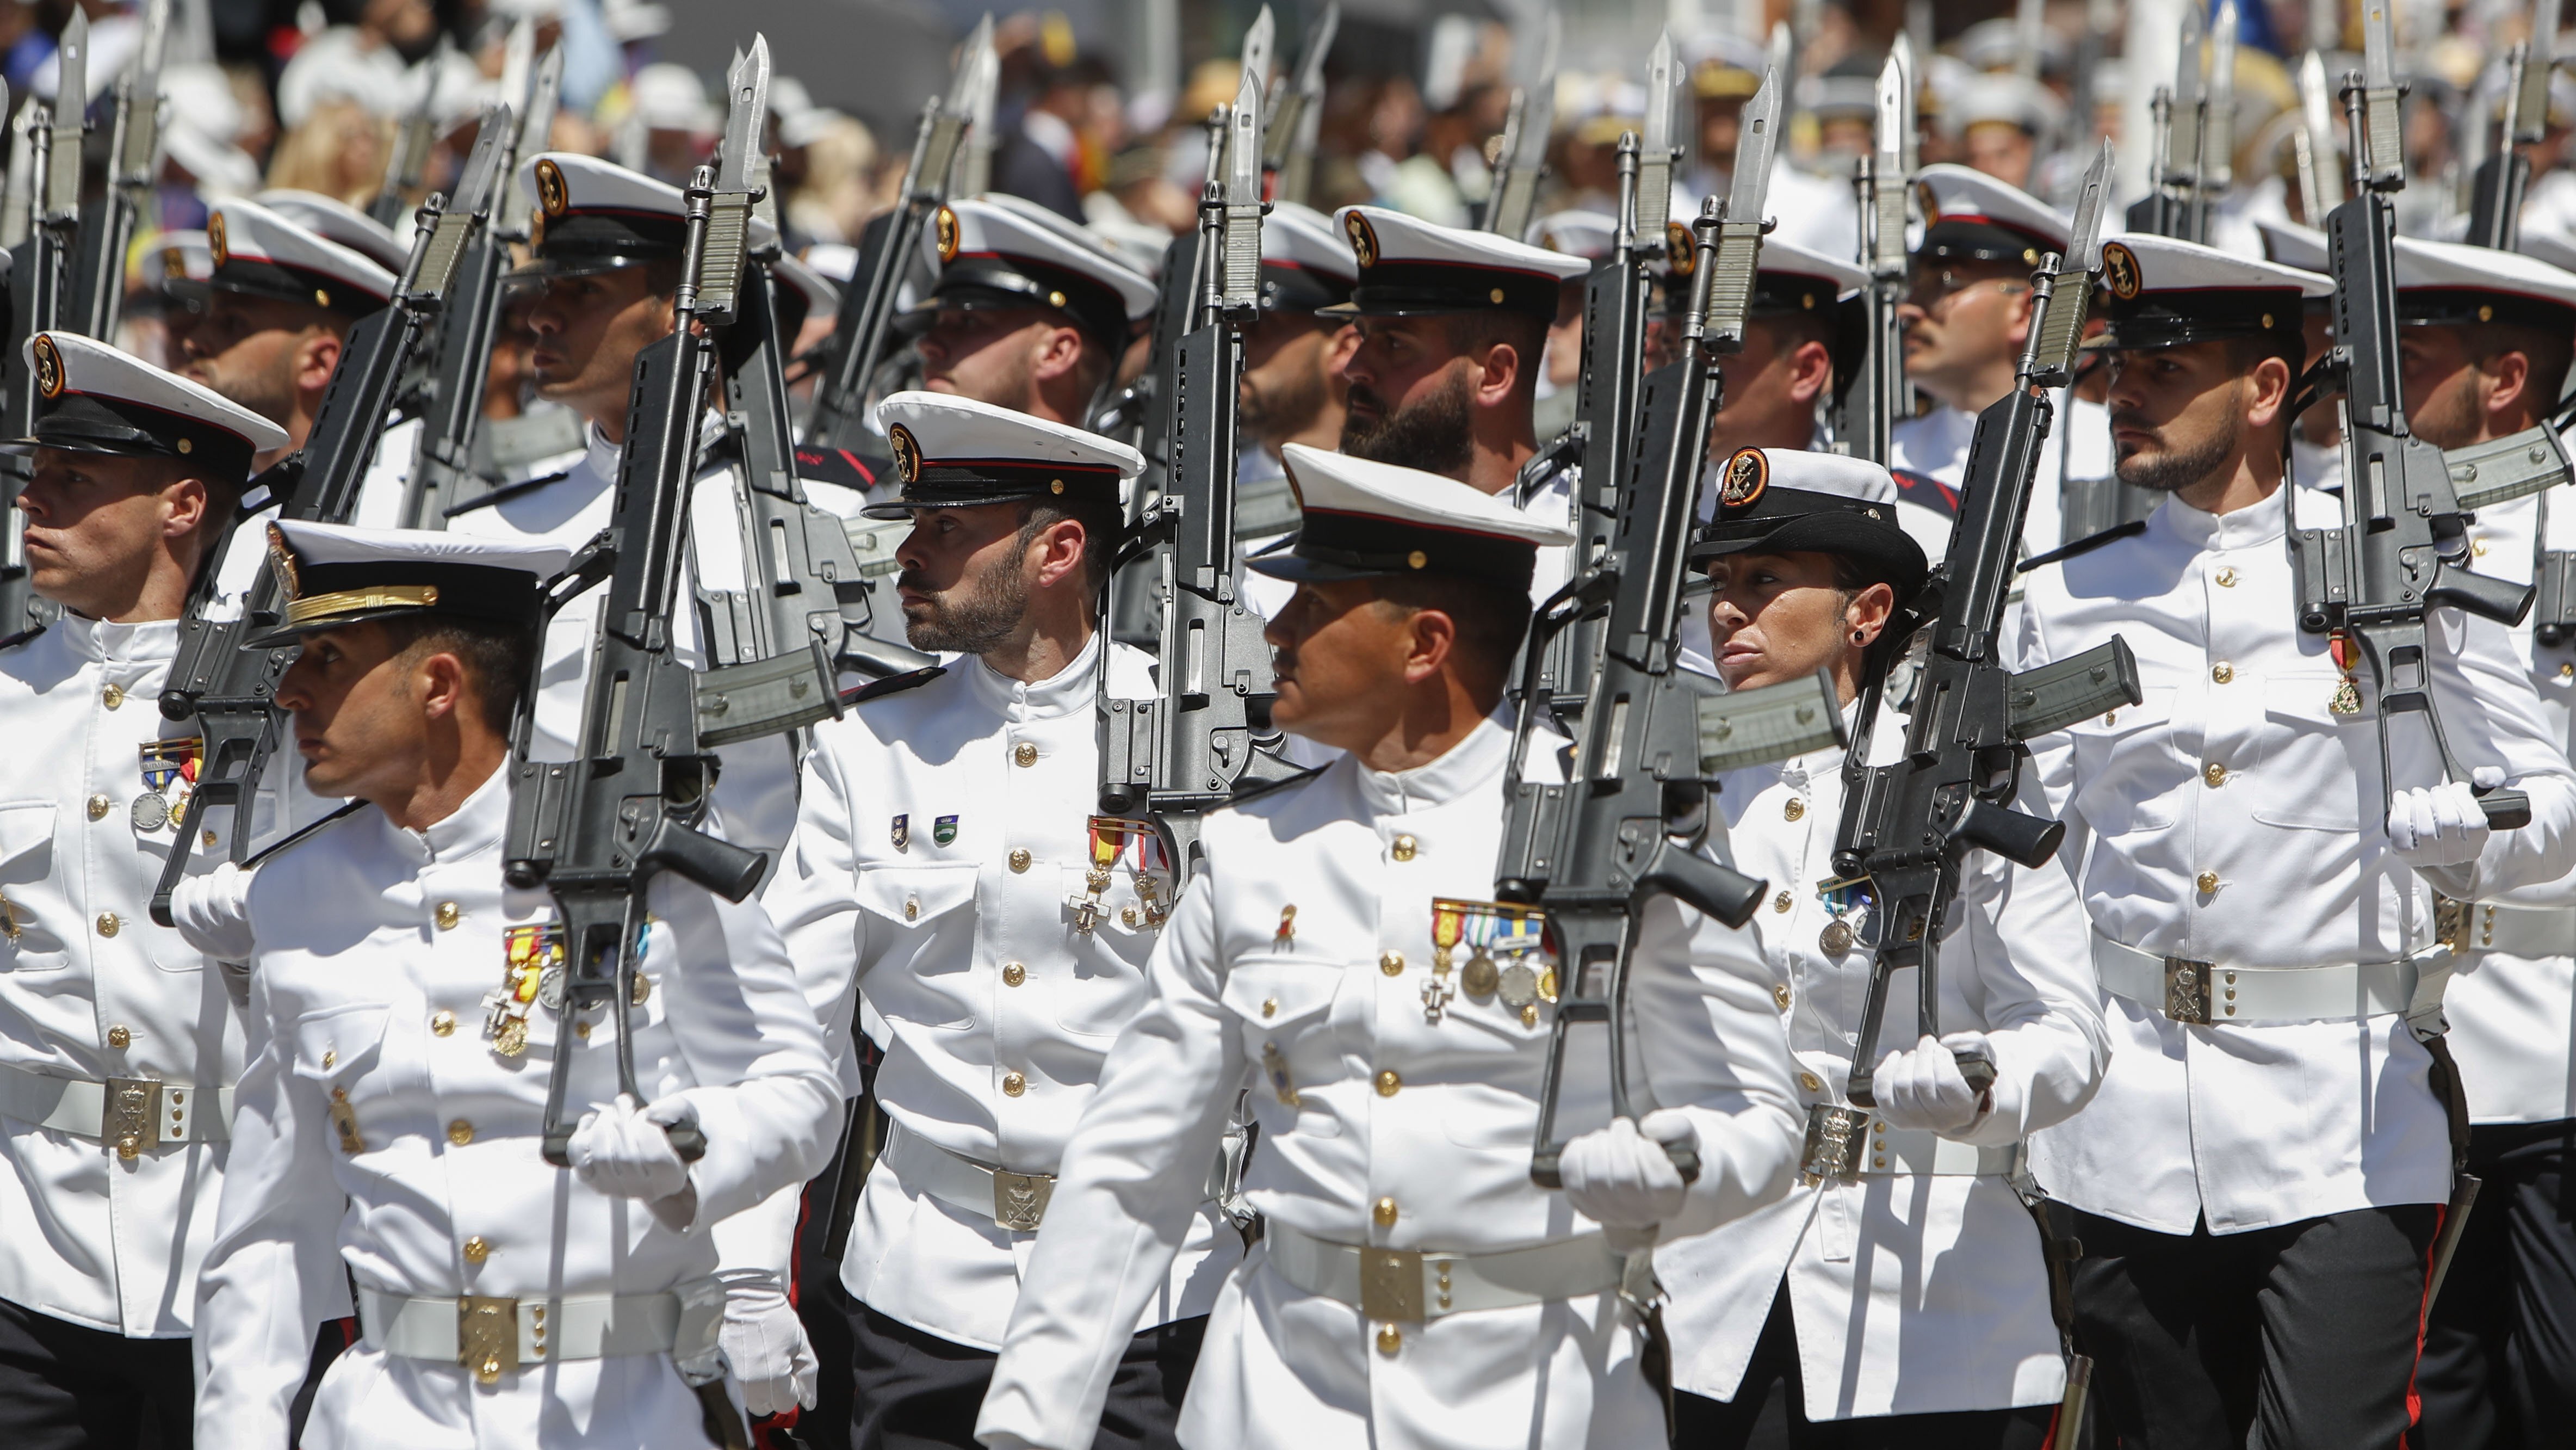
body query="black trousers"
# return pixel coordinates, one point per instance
(1760, 1419)
(2499, 1368)
(2301, 1337)
(916, 1391)
(65, 1386)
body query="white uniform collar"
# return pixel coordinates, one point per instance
(2244, 528)
(1062, 693)
(97, 639)
(1472, 762)
(477, 825)
(602, 455)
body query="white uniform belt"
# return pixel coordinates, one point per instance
(2517, 931)
(1847, 1144)
(130, 1113)
(1014, 1201)
(1410, 1285)
(2216, 995)
(489, 1335)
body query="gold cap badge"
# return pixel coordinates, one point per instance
(2120, 271)
(49, 367)
(1747, 474)
(1363, 239)
(550, 187)
(907, 454)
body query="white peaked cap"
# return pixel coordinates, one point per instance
(2484, 285)
(1360, 519)
(260, 251)
(1411, 267)
(92, 398)
(1299, 236)
(336, 575)
(2293, 245)
(1576, 233)
(318, 543)
(1968, 214)
(335, 220)
(953, 452)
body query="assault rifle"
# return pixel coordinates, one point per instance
(1908, 826)
(1184, 752)
(451, 405)
(413, 141)
(1296, 113)
(39, 271)
(227, 687)
(2195, 121)
(595, 830)
(2403, 547)
(1626, 826)
(2496, 188)
(1526, 125)
(802, 583)
(134, 159)
(867, 306)
(1605, 420)
(1884, 178)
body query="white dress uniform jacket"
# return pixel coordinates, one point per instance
(1403, 1133)
(2236, 817)
(2512, 1002)
(92, 990)
(1936, 446)
(959, 929)
(1912, 1292)
(375, 947)
(756, 790)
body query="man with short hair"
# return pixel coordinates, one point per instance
(119, 1043)
(277, 311)
(1029, 312)
(2483, 355)
(1341, 960)
(1291, 386)
(602, 274)
(405, 1001)
(1967, 318)
(948, 865)
(2258, 1182)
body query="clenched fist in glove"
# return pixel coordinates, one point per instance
(764, 1344)
(625, 1151)
(1622, 1177)
(1922, 1086)
(2441, 825)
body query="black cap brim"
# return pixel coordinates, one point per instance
(1898, 559)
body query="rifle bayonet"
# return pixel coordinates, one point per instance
(513, 220)
(1525, 133)
(1237, 277)
(979, 76)
(1258, 42)
(1297, 113)
(2050, 361)
(1656, 156)
(71, 123)
(2321, 186)
(413, 140)
(1735, 251)
(2379, 155)
(2218, 129)
(728, 237)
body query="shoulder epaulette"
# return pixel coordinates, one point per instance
(297, 836)
(504, 493)
(892, 685)
(22, 636)
(2085, 545)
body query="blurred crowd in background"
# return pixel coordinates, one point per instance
(266, 93)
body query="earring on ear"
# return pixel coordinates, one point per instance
(1856, 637)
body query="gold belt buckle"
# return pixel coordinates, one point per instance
(487, 1336)
(1391, 1285)
(1834, 1137)
(1020, 1199)
(2187, 990)
(131, 1115)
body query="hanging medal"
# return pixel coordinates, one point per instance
(1448, 926)
(531, 962)
(1849, 902)
(2347, 694)
(169, 776)
(1111, 836)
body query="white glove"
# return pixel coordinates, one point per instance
(764, 1344)
(1923, 1087)
(2441, 825)
(1622, 1178)
(624, 1152)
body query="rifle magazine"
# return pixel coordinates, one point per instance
(766, 697)
(2054, 696)
(1750, 727)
